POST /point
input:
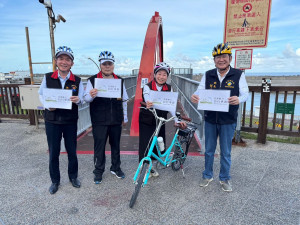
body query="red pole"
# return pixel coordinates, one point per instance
(152, 53)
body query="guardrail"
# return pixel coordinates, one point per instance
(264, 119)
(10, 105)
(278, 124)
(84, 121)
(186, 87)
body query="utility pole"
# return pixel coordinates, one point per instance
(52, 21)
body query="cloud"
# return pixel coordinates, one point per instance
(289, 51)
(168, 44)
(298, 52)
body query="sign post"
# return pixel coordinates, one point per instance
(264, 111)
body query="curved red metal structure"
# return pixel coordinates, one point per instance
(152, 54)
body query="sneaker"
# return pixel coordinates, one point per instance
(205, 182)
(226, 186)
(153, 173)
(98, 179)
(119, 173)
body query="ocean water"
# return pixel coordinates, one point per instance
(248, 73)
(272, 102)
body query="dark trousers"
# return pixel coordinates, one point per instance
(146, 131)
(54, 133)
(100, 134)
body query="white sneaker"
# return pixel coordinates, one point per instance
(153, 173)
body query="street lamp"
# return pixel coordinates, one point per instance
(52, 21)
(94, 62)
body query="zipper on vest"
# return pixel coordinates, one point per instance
(111, 114)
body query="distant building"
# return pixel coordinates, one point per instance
(2, 76)
(19, 75)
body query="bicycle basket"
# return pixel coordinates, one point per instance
(184, 132)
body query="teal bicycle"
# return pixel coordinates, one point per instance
(181, 142)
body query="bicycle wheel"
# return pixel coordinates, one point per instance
(138, 185)
(178, 156)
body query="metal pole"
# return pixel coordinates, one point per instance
(29, 55)
(51, 38)
(238, 125)
(239, 118)
(95, 63)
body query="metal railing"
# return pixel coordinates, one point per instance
(184, 72)
(278, 124)
(84, 121)
(186, 88)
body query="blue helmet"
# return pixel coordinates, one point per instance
(106, 56)
(64, 50)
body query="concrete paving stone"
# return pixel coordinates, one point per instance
(257, 198)
(260, 212)
(277, 190)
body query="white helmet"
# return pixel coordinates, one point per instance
(162, 66)
(64, 50)
(106, 56)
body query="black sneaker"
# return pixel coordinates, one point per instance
(119, 173)
(98, 179)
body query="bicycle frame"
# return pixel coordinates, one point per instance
(168, 156)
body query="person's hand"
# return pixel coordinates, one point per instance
(181, 124)
(93, 93)
(195, 98)
(52, 109)
(149, 104)
(74, 99)
(233, 100)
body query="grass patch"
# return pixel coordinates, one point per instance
(276, 138)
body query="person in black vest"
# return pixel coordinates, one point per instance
(62, 122)
(147, 121)
(107, 115)
(221, 124)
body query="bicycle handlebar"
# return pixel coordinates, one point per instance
(163, 119)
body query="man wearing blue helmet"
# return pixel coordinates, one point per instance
(62, 122)
(107, 115)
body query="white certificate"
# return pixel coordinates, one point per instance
(108, 88)
(214, 100)
(164, 100)
(57, 98)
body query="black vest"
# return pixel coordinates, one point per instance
(230, 82)
(146, 116)
(62, 116)
(106, 111)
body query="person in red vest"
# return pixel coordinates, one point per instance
(62, 122)
(147, 122)
(107, 116)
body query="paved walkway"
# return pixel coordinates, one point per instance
(265, 178)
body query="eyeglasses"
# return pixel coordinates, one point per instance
(107, 64)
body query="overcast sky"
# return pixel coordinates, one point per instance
(191, 28)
